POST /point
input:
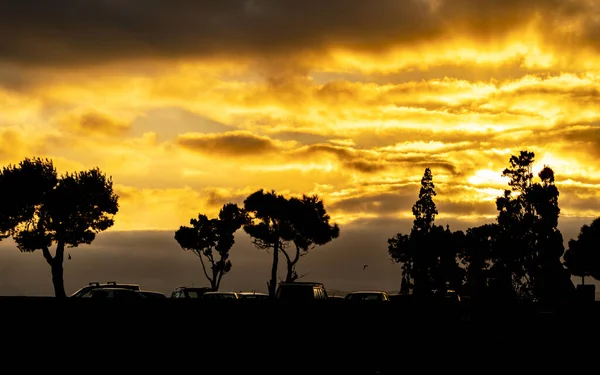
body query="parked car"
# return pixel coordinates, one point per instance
(154, 295)
(97, 285)
(122, 294)
(401, 298)
(368, 296)
(301, 291)
(186, 292)
(220, 296)
(252, 296)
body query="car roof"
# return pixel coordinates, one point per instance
(110, 284)
(252, 294)
(117, 288)
(303, 283)
(113, 283)
(220, 293)
(367, 292)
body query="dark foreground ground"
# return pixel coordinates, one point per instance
(178, 336)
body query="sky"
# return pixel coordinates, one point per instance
(192, 105)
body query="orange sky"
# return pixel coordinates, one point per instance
(192, 106)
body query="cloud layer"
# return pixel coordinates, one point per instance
(192, 105)
(68, 32)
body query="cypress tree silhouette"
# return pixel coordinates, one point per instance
(416, 251)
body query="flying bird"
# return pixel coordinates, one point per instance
(365, 267)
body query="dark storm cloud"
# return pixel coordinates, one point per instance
(93, 122)
(400, 199)
(382, 204)
(70, 32)
(231, 144)
(508, 70)
(365, 166)
(589, 137)
(359, 160)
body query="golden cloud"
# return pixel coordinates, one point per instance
(90, 122)
(353, 105)
(237, 143)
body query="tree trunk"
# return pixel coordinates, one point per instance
(56, 267)
(220, 276)
(213, 282)
(291, 264)
(289, 277)
(582, 280)
(57, 279)
(273, 283)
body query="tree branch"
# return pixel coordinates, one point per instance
(218, 284)
(211, 259)
(47, 255)
(287, 257)
(297, 255)
(204, 268)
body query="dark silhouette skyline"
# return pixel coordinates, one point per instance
(520, 255)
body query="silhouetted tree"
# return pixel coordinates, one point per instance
(39, 209)
(310, 226)
(476, 256)
(529, 244)
(270, 226)
(448, 246)
(550, 277)
(424, 209)
(582, 258)
(402, 249)
(208, 238)
(416, 251)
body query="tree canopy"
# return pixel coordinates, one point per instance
(270, 226)
(39, 209)
(276, 223)
(582, 258)
(429, 253)
(529, 244)
(310, 228)
(208, 238)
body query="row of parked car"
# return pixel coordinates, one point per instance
(298, 291)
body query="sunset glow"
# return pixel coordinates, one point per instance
(352, 108)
